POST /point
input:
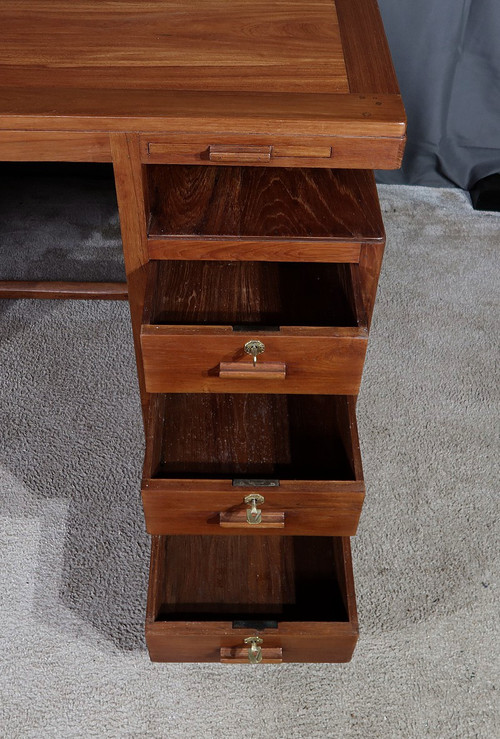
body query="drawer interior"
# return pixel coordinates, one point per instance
(249, 579)
(257, 294)
(240, 202)
(253, 436)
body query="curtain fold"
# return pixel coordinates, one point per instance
(447, 58)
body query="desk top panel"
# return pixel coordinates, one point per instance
(254, 45)
(168, 65)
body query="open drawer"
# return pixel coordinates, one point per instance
(252, 464)
(240, 327)
(243, 599)
(257, 213)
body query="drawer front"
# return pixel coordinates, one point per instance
(204, 360)
(341, 152)
(240, 600)
(295, 508)
(165, 645)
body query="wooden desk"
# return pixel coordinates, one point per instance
(165, 89)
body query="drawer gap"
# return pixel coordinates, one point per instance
(251, 435)
(256, 625)
(254, 295)
(247, 579)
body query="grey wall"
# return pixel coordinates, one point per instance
(447, 58)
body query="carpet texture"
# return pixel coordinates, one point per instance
(74, 554)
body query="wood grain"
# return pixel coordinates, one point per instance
(342, 152)
(366, 51)
(176, 451)
(260, 68)
(270, 203)
(196, 360)
(201, 301)
(132, 206)
(294, 437)
(199, 586)
(64, 290)
(252, 294)
(54, 146)
(203, 44)
(254, 250)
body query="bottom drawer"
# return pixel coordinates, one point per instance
(244, 599)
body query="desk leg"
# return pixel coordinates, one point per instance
(131, 195)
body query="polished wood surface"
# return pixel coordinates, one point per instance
(283, 46)
(208, 594)
(210, 359)
(199, 316)
(54, 146)
(287, 67)
(130, 183)
(263, 203)
(64, 290)
(157, 87)
(301, 442)
(342, 151)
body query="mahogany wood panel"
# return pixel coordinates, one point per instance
(271, 203)
(315, 508)
(200, 587)
(370, 263)
(343, 151)
(54, 146)
(64, 290)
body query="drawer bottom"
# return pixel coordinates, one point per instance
(240, 599)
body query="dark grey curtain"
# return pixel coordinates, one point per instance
(447, 58)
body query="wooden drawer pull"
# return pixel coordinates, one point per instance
(248, 154)
(253, 654)
(238, 520)
(247, 371)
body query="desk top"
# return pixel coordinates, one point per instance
(297, 67)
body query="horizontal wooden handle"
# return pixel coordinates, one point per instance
(239, 655)
(238, 520)
(249, 370)
(221, 153)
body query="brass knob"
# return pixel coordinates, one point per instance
(255, 651)
(254, 347)
(254, 515)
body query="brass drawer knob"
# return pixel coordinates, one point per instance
(254, 347)
(255, 650)
(254, 514)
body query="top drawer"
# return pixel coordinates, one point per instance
(353, 152)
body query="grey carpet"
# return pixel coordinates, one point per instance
(73, 549)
